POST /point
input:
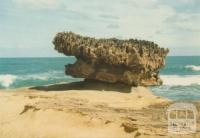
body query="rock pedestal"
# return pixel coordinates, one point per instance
(133, 62)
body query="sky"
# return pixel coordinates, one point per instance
(27, 27)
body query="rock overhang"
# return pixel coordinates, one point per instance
(133, 62)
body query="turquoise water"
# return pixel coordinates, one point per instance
(26, 72)
(181, 78)
(181, 75)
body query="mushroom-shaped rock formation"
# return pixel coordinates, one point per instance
(133, 62)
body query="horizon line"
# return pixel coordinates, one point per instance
(74, 56)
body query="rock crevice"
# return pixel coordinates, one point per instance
(133, 62)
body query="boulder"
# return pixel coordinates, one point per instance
(132, 62)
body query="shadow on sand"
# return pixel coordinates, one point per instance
(85, 85)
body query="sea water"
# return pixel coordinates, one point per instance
(181, 78)
(28, 72)
(181, 75)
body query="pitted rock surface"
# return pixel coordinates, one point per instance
(133, 62)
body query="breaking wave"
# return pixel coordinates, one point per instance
(184, 80)
(193, 67)
(42, 76)
(7, 80)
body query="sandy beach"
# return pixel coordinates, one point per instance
(52, 112)
(99, 69)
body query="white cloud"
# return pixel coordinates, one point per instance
(188, 21)
(144, 22)
(156, 20)
(39, 4)
(186, 1)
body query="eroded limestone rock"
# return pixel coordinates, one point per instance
(133, 62)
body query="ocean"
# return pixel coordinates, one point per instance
(181, 75)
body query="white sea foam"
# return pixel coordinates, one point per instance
(45, 76)
(7, 80)
(34, 77)
(193, 67)
(185, 80)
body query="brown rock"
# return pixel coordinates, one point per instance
(128, 127)
(132, 62)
